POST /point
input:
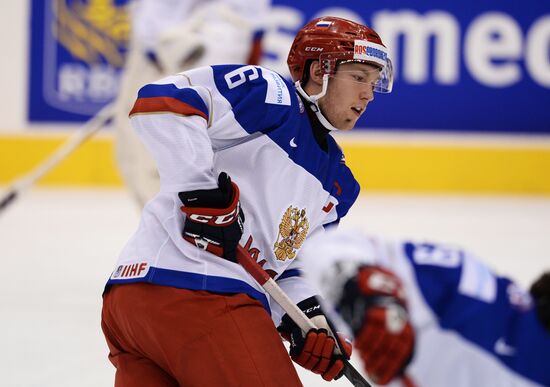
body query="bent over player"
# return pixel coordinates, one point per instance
(244, 158)
(430, 315)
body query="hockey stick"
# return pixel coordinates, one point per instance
(84, 133)
(295, 313)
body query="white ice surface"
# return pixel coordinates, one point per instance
(58, 246)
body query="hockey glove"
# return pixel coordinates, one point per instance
(214, 219)
(320, 350)
(374, 305)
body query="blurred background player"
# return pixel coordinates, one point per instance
(169, 36)
(243, 159)
(432, 315)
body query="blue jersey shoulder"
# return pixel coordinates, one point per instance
(260, 98)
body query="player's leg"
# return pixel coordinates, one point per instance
(242, 348)
(132, 369)
(200, 338)
(136, 165)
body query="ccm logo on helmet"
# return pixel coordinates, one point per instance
(314, 49)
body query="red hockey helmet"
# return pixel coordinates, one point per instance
(333, 40)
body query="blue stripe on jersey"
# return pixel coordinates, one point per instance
(331, 224)
(290, 273)
(479, 322)
(194, 281)
(186, 95)
(258, 35)
(289, 128)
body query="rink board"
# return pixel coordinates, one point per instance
(509, 167)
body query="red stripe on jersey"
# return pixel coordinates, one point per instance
(338, 188)
(165, 104)
(328, 207)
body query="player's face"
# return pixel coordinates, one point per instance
(349, 92)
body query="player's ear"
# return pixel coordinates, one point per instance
(315, 73)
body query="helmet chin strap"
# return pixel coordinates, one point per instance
(313, 100)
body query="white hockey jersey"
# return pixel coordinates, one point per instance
(472, 327)
(249, 122)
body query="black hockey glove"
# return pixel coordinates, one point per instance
(214, 219)
(320, 350)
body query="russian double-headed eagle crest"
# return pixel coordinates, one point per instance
(293, 230)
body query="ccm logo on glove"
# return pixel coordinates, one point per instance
(214, 218)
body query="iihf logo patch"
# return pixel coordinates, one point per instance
(131, 270)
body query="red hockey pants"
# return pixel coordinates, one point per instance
(162, 336)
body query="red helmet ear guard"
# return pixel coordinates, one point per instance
(336, 36)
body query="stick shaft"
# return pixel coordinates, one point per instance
(76, 140)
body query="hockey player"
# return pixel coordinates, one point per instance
(247, 158)
(430, 315)
(169, 36)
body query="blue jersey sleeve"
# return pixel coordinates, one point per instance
(489, 311)
(345, 187)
